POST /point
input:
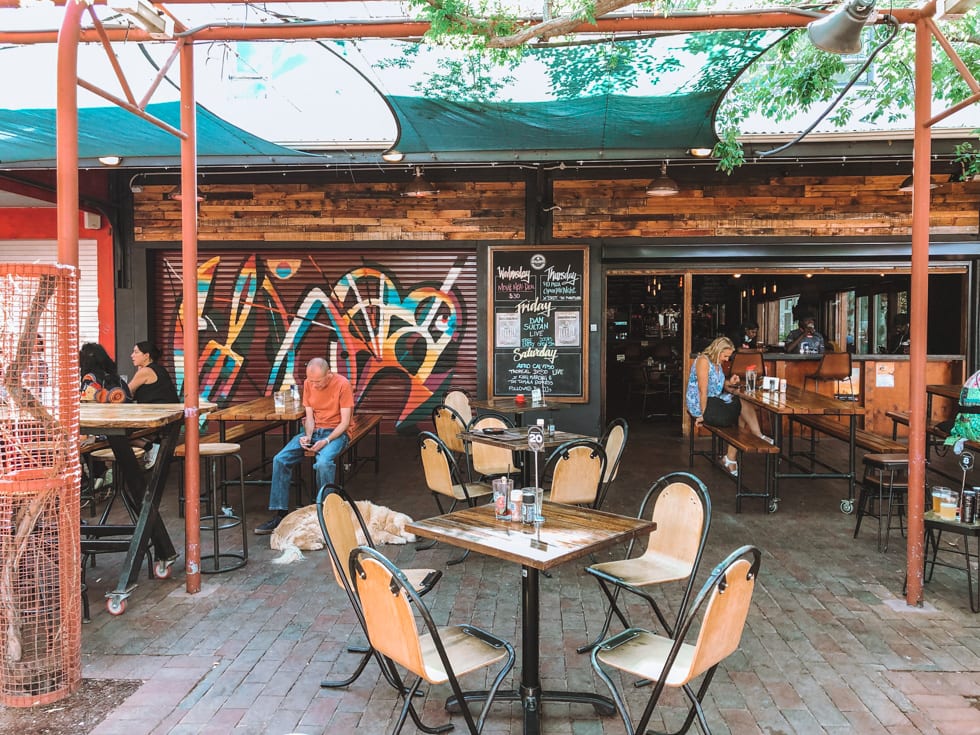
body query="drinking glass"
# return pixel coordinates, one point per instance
(750, 381)
(279, 400)
(501, 495)
(538, 504)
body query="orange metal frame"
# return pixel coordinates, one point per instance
(71, 35)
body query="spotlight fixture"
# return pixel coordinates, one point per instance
(907, 187)
(663, 185)
(840, 32)
(134, 186)
(147, 17)
(177, 196)
(110, 160)
(419, 187)
(392, 156)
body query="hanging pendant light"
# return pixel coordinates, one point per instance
(419, 187)
(663, 185)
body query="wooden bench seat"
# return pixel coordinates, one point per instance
(864, 439)
(362, 424)
(237, 433)
(745, 442)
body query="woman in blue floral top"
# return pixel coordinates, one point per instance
(709, 397)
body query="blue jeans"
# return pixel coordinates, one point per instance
(324, 465)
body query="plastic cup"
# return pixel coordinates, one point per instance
(949, 506)
(938, 493)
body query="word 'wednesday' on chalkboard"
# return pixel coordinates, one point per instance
(538, 336)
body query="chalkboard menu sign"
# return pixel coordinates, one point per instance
(539, 307)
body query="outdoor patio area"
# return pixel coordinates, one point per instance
(830, 645)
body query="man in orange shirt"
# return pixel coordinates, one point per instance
(329, 404)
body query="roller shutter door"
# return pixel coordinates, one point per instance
(400, 324)
(46, 251)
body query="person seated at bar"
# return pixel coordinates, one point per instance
(806, 339)
(747, 337)
(329, 403)
(710, 400)
(151, 383)
(898, 340)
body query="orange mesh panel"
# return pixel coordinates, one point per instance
(40, 586)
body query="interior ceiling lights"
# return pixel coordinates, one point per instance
(419, 187)
(906, 185)
(663, 185)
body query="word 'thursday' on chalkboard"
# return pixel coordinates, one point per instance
(538, 334)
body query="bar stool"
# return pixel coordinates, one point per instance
(221, 517)
(881, 472)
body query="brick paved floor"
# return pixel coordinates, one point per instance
(830, 646)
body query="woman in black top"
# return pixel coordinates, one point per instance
(152, 382)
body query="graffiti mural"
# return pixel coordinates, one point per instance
(260, 319)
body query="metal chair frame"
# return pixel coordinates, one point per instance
(569, 452)
(341, 571)
(369, 569)
(725, 599)
(612, 576)
(609, 441)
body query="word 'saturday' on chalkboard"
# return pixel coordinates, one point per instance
(538, 336)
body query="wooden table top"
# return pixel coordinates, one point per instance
(948, 390)
(100, 417)
(261, 409)
(567, 533)
(506, 404)
(515, 439)
(798, 401)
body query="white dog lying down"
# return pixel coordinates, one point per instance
(300, 530)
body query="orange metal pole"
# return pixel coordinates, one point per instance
(188, 217)
(918, 307)
(415, 29)
(66, 126)
(66, 130)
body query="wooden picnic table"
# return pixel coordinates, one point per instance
(796, 401)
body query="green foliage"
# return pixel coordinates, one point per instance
(790, 77)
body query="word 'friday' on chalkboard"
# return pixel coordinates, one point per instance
(538, 336)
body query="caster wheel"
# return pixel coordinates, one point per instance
(115, 606)
(847, 506)
(163, 570)
(773, 506)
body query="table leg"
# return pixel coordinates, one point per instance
(530, 693)
(149, 525)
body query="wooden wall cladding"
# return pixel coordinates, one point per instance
(842, 206)
(337, 212)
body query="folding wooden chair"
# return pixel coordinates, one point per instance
(437, 655)
(682, 512)
(444, 480)
(613, 441)
(334, 508)
(723, 605)
(487, 461)
(577, 468)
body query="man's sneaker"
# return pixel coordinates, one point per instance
(269, 526)
(150, 458)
